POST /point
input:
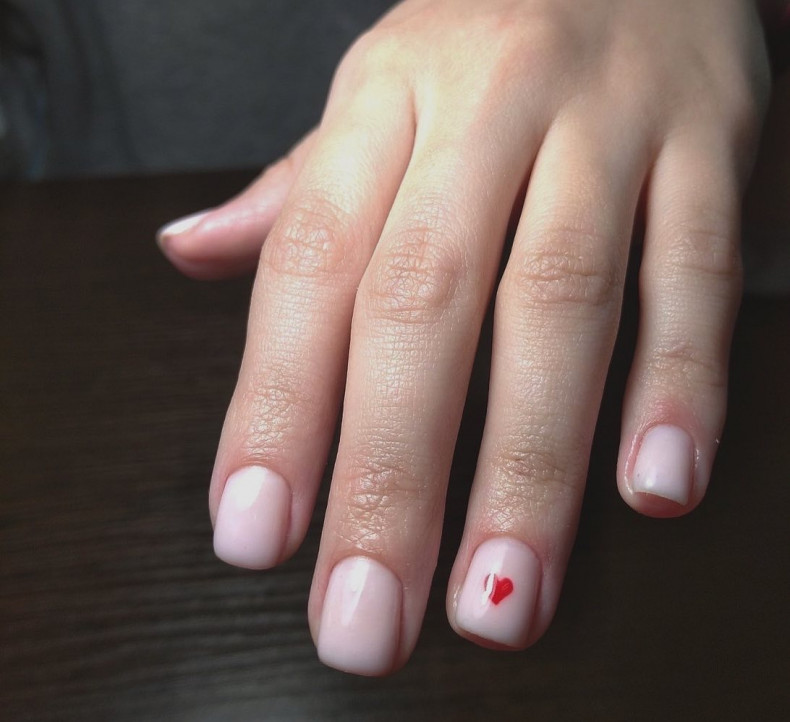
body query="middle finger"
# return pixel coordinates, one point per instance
(416, 322)
(555, 322)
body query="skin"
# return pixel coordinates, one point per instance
(377, 242)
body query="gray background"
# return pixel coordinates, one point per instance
(117, 86)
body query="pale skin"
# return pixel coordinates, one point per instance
(377, 242)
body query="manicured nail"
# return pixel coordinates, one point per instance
(360, 621)
(665, 464)
(181, 225)
(252, 519)
(497, 600)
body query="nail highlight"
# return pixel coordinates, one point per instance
(252, 520)
(665, 464)
(498, 597)
(181, 225)
(361, 617)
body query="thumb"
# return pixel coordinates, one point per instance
(226, 241)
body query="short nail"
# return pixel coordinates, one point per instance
(252, 519)
(182, 225)
(665, 464)
(498, 597)
(360, 621)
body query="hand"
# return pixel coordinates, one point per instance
(383, 235)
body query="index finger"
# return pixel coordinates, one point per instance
(282, 416)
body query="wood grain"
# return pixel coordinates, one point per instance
(114, 377)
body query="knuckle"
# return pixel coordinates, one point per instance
(375, 53)
(417, 276)
(567, 271)
(628, 74)
(688, 364)
(271, 402)
(706, 250)
(531, 473)
(540, 43)
(312, 240)
(381, 488)
(532, 56)
(373, 46)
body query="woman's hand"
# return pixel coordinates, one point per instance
(383, 234)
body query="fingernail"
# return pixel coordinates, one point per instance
(360, 621)
(497, 600)
(182, 225)
(252, 519)
(665, 464)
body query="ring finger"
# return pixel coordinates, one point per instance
(555, 322)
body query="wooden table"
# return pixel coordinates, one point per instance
(114, 377)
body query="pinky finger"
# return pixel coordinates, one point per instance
(226, 241)
(690, 287)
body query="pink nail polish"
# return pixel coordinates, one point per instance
(497, 600)
(665, 464)
(360, 621)
(181, 225)
(252, 519)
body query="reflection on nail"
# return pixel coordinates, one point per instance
(182, 225)
(360, 620)
(252, 520)
(665, 464)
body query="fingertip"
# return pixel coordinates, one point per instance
(177, 239)
(360, 625)
(496, 603)
(168, 233)
(252, 521)
(215, 244)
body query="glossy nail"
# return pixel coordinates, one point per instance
(252, 520)
(182, 225)
(498, 597)
(665, 464)
(360, 621)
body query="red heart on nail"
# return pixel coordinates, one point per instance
(498, 587)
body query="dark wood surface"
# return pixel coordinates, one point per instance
(114, 377)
